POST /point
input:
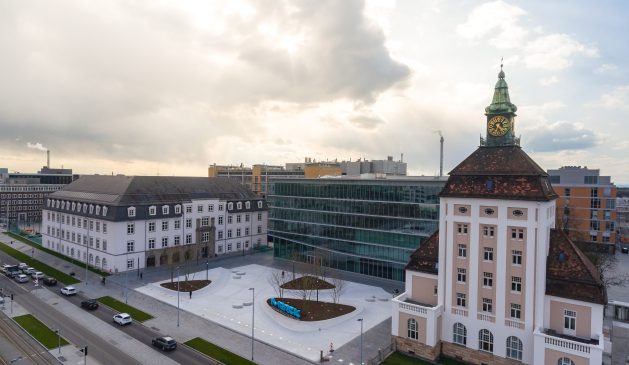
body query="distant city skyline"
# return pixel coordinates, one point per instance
(169, 88)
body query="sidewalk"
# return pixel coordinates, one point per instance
(191, 325)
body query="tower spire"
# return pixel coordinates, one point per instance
(500, 114)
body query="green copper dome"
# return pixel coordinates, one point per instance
(501, 103)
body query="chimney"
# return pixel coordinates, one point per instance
(48, 158)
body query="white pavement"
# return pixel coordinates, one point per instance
(305, 339)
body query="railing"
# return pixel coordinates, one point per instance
(459, 312)
(514, 324)
(486, 317)
(407, 305)
(413, 308)
(567, 344)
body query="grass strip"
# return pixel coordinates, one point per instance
(121, 307)
(398, 358)
(38, 265)
(217, 353)
(40, 331)
(56, 254)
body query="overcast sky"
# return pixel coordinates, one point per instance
(170, 87)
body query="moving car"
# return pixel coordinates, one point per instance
(12, 271)
(50, 281)
(122, 319)
(166, 343)
(21, 278)
(90, 304)
(68, 290)
(37, 275)
(624, 249)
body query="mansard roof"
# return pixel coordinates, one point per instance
(499, 172)
(570, 274)
(426, 257)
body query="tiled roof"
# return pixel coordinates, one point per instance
(499, 172)
(570, 274)
(426, 257)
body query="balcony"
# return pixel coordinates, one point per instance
(568, 344)
(407, 305)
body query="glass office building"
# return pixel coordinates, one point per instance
(367, 226)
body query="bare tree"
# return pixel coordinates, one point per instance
(277, 280)
(339, 289)
(606, 264)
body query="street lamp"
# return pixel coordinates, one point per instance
(253, 317)
(126, 279)
(178, 296)
(361, 340)
(58, 332)
(207, 268)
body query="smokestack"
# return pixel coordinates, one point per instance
(441, 156)
(48, 158)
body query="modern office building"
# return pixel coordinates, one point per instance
(586, 208)
(120, 223)
(22, 194)
(498, 283)
(360, 224)
(379, 167)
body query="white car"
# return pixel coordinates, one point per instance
(22, 266)
(29, 271)
(21, 278)
(122, 319)
(68, 290)
(37, 275)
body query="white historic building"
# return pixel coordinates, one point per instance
(121, 223)
(498, 284)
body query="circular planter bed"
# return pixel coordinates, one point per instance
(314, 311)
(307, 282)
(187, 286)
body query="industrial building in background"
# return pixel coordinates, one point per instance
(258, 177)
(22, 194)
(586, 208)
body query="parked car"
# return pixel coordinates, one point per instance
(21, 278)
(12, 271)
(22, 266)
(50, 281)
(165, 343)
(29, 271)
(37, 275)
(624, 249)
(4, 267)
(122, 319)
(68, 290)
(90, 304)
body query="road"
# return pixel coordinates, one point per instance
(16, 345)
(103, 351)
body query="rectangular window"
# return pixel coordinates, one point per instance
(246, 231)
(237, 232)
(130, 228)
(164, 241)
(177, 240)
(460, 299)
(205, 237)
(229, 219)
(259, 229)
(220, 220)
(104, 245)
(259, 217)
(516, 257)
(188, 238)
(229, 233)
(130, 264)
(205, 221)
(461, 275)
(462, 250)
(487, 305)
(98, 243)
(238, 245)
(488, 231)
(177, 224)
(188, 223)
(151, 226)
(220, 207)
(570, 320)
(164, 225)
(200, 208)
(220, 248)
(488, 279)
(104, 227)
(568, 192)
(517, 233)
(97, 226)
(461, 228)
(188, 208)
(238, 218)
(220, 235)
(516, 311)
(130, 246)
(247, 217)
(151, 243)
(91, 225)
(488, 254)
(229, 247)
(516, 284)
(210, 208)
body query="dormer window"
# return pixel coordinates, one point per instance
(239, 205)
(260, 204)
(57, 204)
(104, 211)
(230, 206)
(84, 208)
(63, 205)
(47, 202)
(73, 206)
(247, 205)
(165, 209)
(78, 207)
(131, 211)
(152, 210)
(91, 209)
(98, 210)
(177, 209)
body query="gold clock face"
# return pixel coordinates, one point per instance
(498, 126)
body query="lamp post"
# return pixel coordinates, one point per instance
(207, 268)
(361, 340)
(177, 296)
(58, 332)
(126, 279)
(253, 317)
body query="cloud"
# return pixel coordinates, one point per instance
(498, 21)
(554, 52)
(36, 146)
(617, 99)
(559, 136)
(547, 81)
(605, 68)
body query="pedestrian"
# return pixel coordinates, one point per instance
(11, 242)
(190, 294)
(282, 274)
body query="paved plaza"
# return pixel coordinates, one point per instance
(227, 301)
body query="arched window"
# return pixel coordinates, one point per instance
(565, 361)
(97, 261)
(104, 263)
(459, 334)
(514, 348)
(412, 329)
(485, 341)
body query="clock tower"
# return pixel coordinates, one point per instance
(500, 116)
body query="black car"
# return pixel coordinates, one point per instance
(48, 281)
(624, 249)
(90, 304)
(165, 343)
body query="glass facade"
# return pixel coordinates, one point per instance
(365, 226)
